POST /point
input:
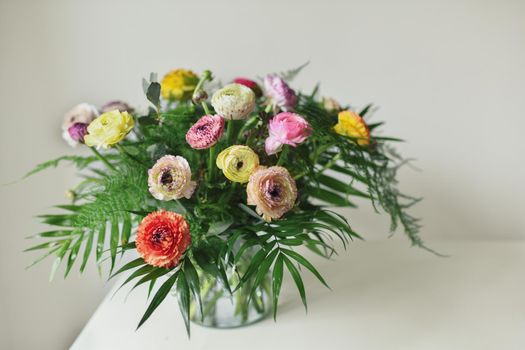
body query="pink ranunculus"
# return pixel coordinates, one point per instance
(205, 132)
(251, 84)
(286, 129)
(280, 93)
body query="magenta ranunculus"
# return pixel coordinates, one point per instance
(77, 132)
(251, 84)
(280, 93)
(286, 129)
(205, 132)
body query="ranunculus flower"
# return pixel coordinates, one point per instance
(162, 238)
(234, 101)
(280, 93)
(251, 84)
(331, 105)
(82, 113)
(121, 106)
(286, 129)
(109, 129)
(238, 162)
(178, 84)
(170, 178)
(272, 190)
(77, 132)
(205, 132)
(351, 124)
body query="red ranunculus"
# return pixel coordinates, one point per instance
(162, 238)
(251, 84)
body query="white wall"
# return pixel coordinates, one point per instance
(448, 76)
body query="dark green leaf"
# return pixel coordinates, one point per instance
(126, 229)
(330, 197)
(153, 93)
(183, 296)
(87, 250)
(132, 264)
(297, 279)
(277, 280)
(301, 260)
(159, 297)
(73, 253)
(193, 279)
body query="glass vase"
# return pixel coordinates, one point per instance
(220, 309)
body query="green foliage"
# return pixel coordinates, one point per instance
(227, 235)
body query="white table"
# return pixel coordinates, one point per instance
(385, 295)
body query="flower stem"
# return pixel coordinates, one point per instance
(103, 159)
(229, 132)
(211, 163)
(206, 108)
(283, 155)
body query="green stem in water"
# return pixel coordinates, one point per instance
(103, 159)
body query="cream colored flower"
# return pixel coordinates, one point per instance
(272, 190)
(234, 101)
(170, 178)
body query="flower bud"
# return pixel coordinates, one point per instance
(199, 96)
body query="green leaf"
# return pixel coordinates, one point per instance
(73, 253)
(153, 275)
(183, 296)
(330, 197)
(87, 250)
(113, 243)
(126, 229)
(80, 163)
(263, 269)
(340, 186)
(256, 262)
(143, 270)
(65, 220)
(159, 297)
(45, 245)
(147, 120)
(48, 234)
(219, 227)
(58, 259)
(132, 264)
(193, 279)
(100, 241)
(297, 279)
(277, 280)
(153, 93)
(250, 212)
(301, 260)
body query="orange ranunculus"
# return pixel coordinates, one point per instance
(162, 238)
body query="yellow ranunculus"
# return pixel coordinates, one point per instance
(108, 129)
(178, 84)
(351, 124)
(238, 163)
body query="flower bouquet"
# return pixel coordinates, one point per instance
(218, 197)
